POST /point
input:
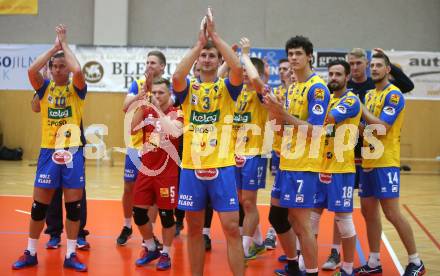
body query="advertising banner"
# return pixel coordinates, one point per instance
(112, 69)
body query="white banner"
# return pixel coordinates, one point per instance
(14, 63)
(423, 68)
(113, 69)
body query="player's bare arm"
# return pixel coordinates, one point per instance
(130, 98)
(276, 109)
(223, 70)
(35, 103)
(370, 119)
(145, 97)
(71, 61)
(252, 72)
(185, 65)
(34, 71)
(236, 71)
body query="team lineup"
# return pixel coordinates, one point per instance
(201, 141)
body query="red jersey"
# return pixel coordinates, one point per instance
(160, 150)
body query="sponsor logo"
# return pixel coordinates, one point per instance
(341, 109)
(200, 118)
(206, 174)
(389, 110)
(194, 99)
(164, 192)
(394, 99)
(44, 179)
(93, 71)
(325, 178)
(59, 113)
(338, 203)
(242, 118)
(232, 201)
(287, 197)
(186, 200)
(384, 189)
(349, 101)
(319, 94)
(240, 161)
(318, 109)
(62, 157)
(56, 123)
(324, 57)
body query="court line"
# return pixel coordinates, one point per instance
(361, 255)
(430, 236)
(392, 253)
(24, 212)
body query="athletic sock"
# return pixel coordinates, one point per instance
(415, 259)
(71, 247)
(32, 246)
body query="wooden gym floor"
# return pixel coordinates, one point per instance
(420, 201)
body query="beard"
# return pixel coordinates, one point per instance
(379, 79)
(334, 86)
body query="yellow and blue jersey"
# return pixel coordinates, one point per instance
(208, 109)
(389, 106)
(136, 139)
(346, 111)
(280, 92)
(60, 106)
(249, 116)
(308, 101)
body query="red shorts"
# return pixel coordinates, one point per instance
(150, 190)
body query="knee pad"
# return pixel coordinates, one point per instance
(166, 218)
(140, 216)
(73, 210)
(314, 221)
(278, 217)
(38, 211)
(345, 226)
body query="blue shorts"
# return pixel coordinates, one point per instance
(276, 192)
(358, 176)
(336, 193)
(60, 168)
(380, 182)
(197, 187)
(130, 170)
(251, 175)
(297, 189)
(275, 162)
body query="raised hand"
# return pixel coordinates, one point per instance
(148, 85)
(203, 33)
(272, 103)
(235, 47)
(245, 44)
(57, 44)
(210, 25)
(379, 50)
(266, 70)
(61, 31)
